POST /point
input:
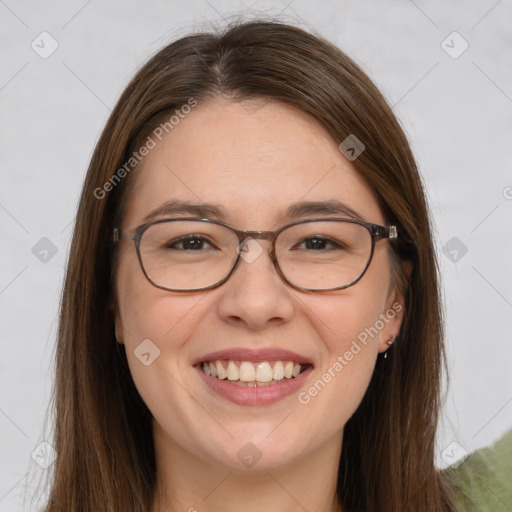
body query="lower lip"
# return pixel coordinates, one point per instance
(263, 395)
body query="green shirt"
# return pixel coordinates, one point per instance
(483, 482)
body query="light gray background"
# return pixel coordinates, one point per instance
(457, 113)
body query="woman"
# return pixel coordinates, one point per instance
(251, 316)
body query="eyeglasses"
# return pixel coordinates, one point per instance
(194, 254)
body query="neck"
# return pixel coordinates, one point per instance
(187, 483)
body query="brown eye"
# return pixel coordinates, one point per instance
(319, 243)
(188, 243)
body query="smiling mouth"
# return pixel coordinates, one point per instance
(253, 374)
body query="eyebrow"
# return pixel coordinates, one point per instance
(218, 212)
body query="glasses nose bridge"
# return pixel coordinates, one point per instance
(244, 236)
(256, 235)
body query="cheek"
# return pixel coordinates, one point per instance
(348, 364)
(349, 325)
(154, 324)
(349, 329)
(353, 317)
(147, 312)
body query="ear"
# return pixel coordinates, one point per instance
(394, 309)
(118, 326)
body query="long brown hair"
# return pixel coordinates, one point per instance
(103, 430)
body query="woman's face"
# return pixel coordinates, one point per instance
(254, 159)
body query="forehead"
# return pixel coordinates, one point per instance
(254, 159)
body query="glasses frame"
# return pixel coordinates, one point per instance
(377, 232)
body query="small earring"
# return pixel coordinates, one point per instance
(389, 342)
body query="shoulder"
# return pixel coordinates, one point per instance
(483, 482)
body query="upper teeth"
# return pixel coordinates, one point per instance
(247, 371)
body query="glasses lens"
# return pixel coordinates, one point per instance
(323, 255)
(187, 255)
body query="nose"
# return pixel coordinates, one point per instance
(255, 295)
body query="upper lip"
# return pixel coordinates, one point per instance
(254, 355)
